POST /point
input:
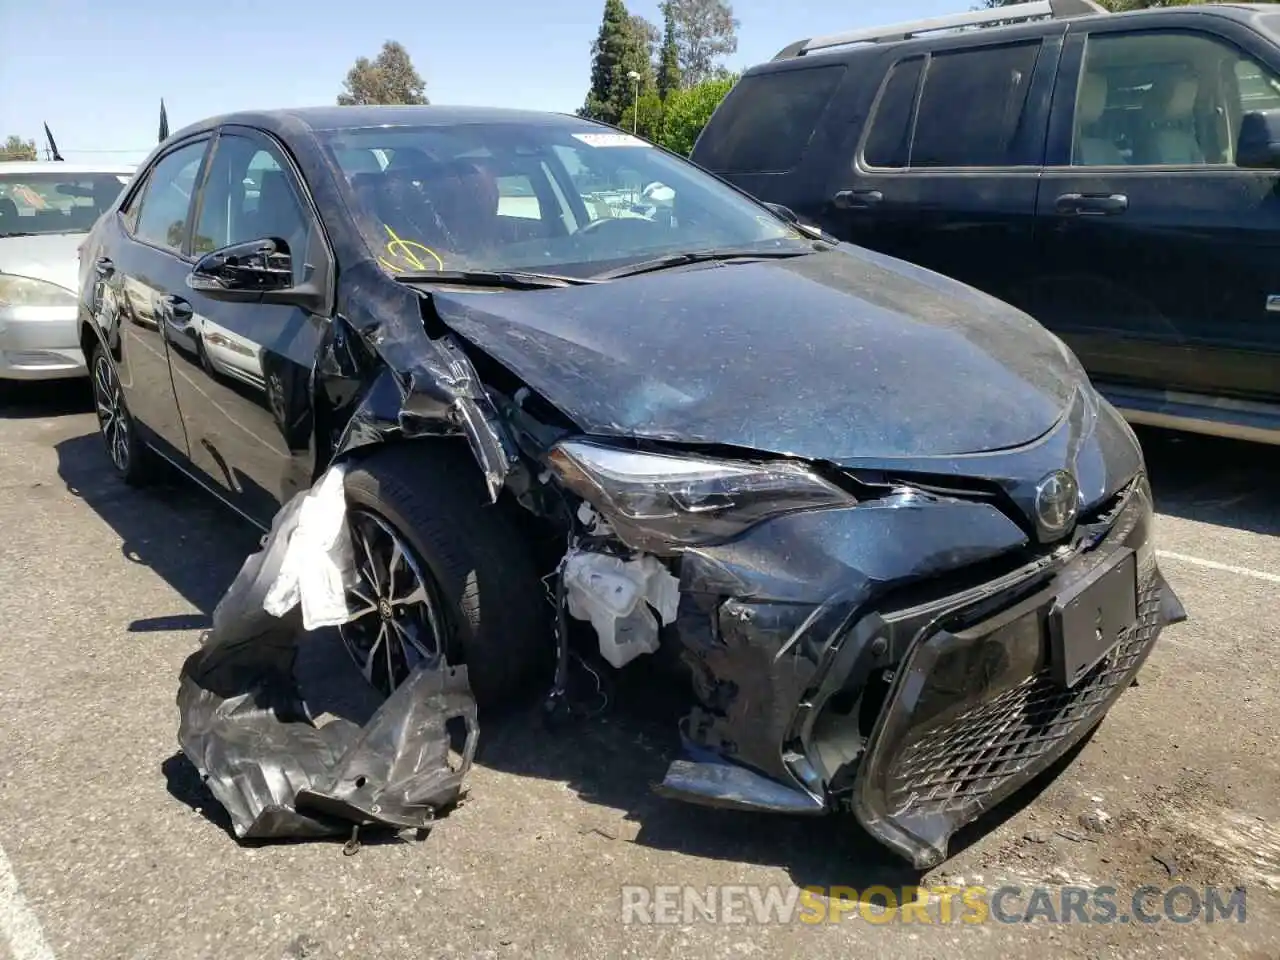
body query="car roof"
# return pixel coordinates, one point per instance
(319, 119)
(61, 166)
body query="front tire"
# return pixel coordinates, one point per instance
(442, 571)
(129, 456)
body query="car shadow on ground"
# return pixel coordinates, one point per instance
(611, 761)
(38, 399)
(1225, 483)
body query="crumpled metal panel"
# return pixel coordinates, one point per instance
(424, 386)
(246, 728)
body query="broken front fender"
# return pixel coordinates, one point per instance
(413, 384)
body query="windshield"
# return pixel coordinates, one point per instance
(568, 199)
(55, 202)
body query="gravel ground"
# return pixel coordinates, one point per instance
(109, 846)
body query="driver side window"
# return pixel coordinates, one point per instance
(250, 195)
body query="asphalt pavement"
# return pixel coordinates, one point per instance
(110, 847)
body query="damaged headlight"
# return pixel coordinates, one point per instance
(658, 500)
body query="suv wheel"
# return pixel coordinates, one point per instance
(441, 571)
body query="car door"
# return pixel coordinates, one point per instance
(1158, 257)
(944, 172)
(242, 371)
(142, 265)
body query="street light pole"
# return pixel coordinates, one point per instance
(635, 100)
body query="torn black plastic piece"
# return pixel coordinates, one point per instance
(713, 782)
(245, 726)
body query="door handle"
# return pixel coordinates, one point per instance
(177, 308)
(1092, 204)
(857, 199)
(103, 266)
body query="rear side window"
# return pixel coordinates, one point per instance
(972, 106)
(766, 122)
(889, 139)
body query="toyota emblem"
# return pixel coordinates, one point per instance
(1057, 503)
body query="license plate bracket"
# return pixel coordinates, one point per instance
(1091, 615)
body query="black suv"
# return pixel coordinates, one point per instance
(1114, 175)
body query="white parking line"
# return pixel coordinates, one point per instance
(19, 927)
(1214, 565)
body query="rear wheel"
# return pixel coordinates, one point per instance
(129, 456)
(441, 572)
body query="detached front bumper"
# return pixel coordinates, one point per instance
(917, 685)
(40, 343)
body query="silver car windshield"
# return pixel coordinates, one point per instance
(53, 202)
(554, 198)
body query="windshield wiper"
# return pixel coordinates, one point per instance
(497, 279)
(697, 256)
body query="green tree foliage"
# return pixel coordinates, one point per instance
(648, 119)
(651, 34)
(704, 31)
(669, 73)
(687, 111)
(15, 148)
(388, 78)
(623, 46)
(663, 106)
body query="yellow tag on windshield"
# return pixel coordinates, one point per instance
(404, 256)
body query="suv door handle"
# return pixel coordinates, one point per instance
(177, 308)
(857, 199)
(1092, 204)
(103, 266)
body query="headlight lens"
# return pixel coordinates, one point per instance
(29, 292)
(658, 502)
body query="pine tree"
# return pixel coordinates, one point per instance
(621, 48)
(669, 56)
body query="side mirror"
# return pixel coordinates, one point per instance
(257, 271)
(789, 215)
(786, 213)
(1258, 147)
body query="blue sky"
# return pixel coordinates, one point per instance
(96, 71)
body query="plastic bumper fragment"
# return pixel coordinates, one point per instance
(715, 783)
(246, 728)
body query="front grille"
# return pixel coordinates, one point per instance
(954, 768)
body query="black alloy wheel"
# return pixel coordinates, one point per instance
(132, 460)
(397, 623)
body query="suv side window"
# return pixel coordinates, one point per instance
(249, 195)
(766, 122)
(1165, 98)
(972, 106)
(166, 198)
(889, 137)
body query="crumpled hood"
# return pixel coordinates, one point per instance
(838, 355)
(54, 257)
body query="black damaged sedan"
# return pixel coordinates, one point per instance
(900, 547)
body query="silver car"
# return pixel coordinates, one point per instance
(46, 209)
